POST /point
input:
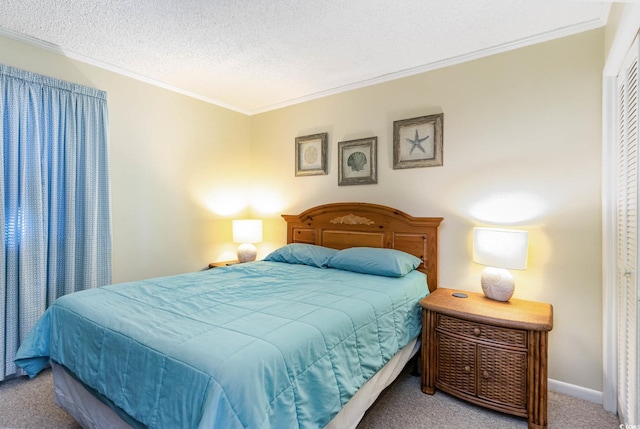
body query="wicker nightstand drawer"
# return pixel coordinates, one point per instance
(505, 336)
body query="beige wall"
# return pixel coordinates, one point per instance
(615, 14)
(522, 147)
(169, 161)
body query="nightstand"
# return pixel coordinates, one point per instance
(490, 353)
(222, 264)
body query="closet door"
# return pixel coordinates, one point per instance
(627, 251)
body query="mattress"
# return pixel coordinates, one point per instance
(91, 413)
(264, 345)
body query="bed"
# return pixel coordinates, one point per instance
(307, 337)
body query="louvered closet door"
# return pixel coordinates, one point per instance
(628, 264)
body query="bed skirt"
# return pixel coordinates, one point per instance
(91, 413)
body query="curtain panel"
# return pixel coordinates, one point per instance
(55, 203)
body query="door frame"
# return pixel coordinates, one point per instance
(625, 35)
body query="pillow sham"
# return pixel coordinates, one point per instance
(300, 253)
(376, 261)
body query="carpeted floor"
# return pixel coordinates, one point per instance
(404, 405)
(28, 404)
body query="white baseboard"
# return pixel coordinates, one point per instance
(575, 391)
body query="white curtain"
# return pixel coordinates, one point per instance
(55, 204)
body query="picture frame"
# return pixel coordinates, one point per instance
(417, 142)
(311, 154)
(358, 162)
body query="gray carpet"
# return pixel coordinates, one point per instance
(28, 404)
(403, 405)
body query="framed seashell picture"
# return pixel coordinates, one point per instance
(358, 162)
(311, 154)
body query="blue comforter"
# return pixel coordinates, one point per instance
(256, 345)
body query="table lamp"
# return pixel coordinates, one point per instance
(246, 232)
(500, 250)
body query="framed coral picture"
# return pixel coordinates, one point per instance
(358, 162)
(311, 154)
(417, 142)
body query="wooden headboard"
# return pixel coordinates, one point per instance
(343, 225)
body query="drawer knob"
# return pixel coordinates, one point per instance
(467, 369)
(476, 332)
(485, 374)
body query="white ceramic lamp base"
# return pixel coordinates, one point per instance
(247, 252)
(497, 284)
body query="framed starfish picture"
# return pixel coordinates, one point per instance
(417, 142)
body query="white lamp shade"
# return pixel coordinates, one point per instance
(247, 231)
(501, 248)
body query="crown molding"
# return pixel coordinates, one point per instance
(521, 43)
(539, 38)
(50, 47)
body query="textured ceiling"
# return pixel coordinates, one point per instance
(256, 55)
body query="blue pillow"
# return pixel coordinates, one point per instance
(376, 261)
(299, 253)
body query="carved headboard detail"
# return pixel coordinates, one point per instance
(343, 225)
